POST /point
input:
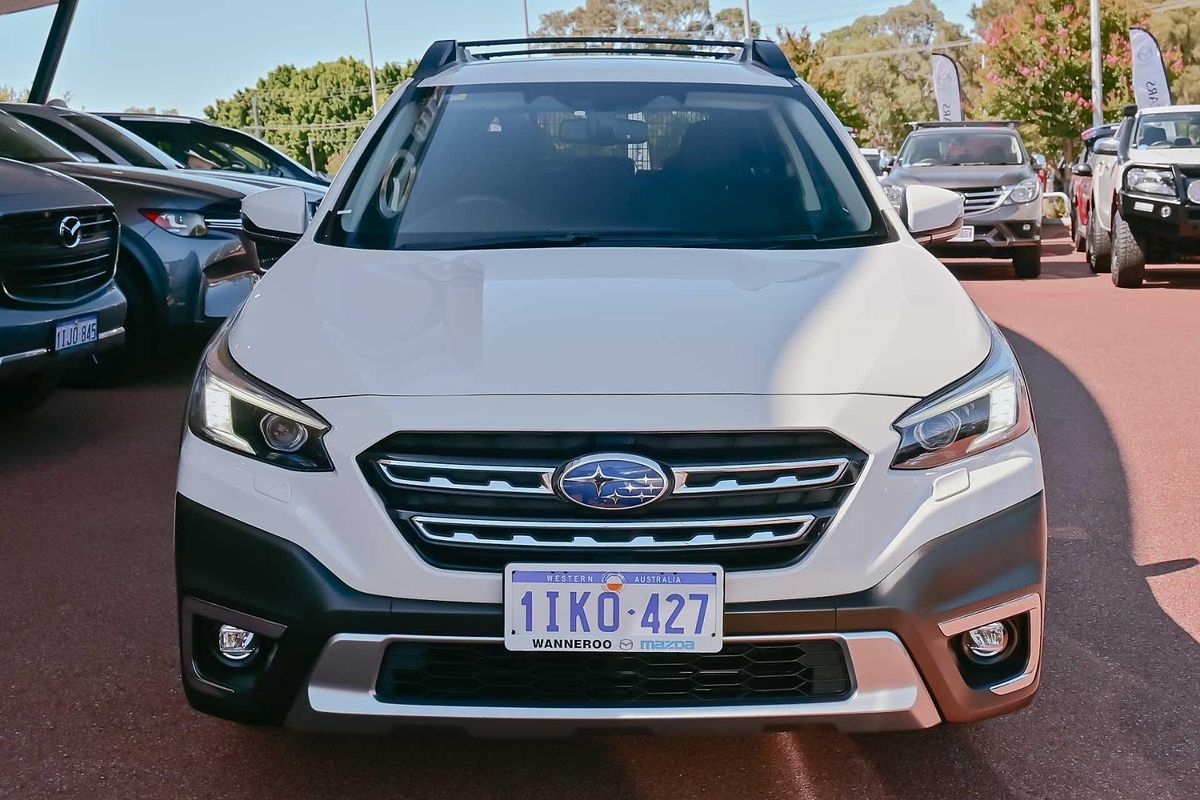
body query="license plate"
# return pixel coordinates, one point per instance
(620, 608)
(74, 332)
(965, 234)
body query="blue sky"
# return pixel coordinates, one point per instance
(138, 52)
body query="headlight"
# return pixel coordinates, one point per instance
(1024, 192)
(895, 195)
(231, 409)
(1150, 181)
(1193, 190)
(984, 410)
(180, 223)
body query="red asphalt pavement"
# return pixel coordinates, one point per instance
(90, 704)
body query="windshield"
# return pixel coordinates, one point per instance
(960, 148)
(1168, 131)
(20, 142)
(137, 152)
(607, 163)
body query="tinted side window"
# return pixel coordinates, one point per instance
(62, 136)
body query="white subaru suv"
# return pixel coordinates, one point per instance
(607, 390)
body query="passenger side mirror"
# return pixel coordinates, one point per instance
(931, 213)
(1106, 147)
(276, 216)
(1038, 161)
(1082, 170)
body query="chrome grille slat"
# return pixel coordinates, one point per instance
(687, 533)
(538, 477)
(977, 201)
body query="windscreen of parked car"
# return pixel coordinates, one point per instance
(127, 145)
(1168, 131)
(961, 148)
(635, 164)
(20, 142)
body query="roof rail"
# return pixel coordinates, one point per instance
(973, 123)
(762, 53)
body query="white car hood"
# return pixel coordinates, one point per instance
(1188, 156)
(328, 322)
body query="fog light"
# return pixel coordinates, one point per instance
(1165, 211)
(235, 643)
(283, 434)
(1027, 227)
(987, 642)
(1193, 191)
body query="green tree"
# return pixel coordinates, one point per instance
(681, 18)
(1038, 57)
(328, 104)
(807, 56)
(1178, 30)
(881, 62)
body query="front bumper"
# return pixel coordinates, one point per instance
(1177, 232)
(27, 334)
(326, 640)
(998, 231)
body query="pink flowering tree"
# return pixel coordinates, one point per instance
(1037, 65)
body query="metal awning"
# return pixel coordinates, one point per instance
(39, 90)
(9, 6)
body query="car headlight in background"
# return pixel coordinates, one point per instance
(895, 195)
(984, 410)
(180, 223)
(231, 409)
(1150, 181)
(1024, 192)
(1193, 190)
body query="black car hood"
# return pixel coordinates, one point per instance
(975, 177)
(31, 188)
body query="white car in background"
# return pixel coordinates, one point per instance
(609, 391)
(1146, 193)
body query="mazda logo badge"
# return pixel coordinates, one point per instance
(70, 232)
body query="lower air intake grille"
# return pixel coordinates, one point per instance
(430, 673)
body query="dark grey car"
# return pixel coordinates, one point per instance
(58, 301)
(987, 163)
(185, 261)
(92, 138)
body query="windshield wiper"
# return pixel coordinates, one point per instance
(504, 242)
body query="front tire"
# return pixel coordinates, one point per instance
(1128, 255)
(142, 335)
(1099, 246)
(1028, 262)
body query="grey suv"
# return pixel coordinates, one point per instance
(987, 163)
(58, 302)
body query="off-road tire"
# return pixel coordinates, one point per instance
(1128, 255)
(1027, 262)
(1099, 246)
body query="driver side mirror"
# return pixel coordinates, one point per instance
(1082, 170)
(932, 214)
(1038, 161)
(1106, 147)
(276, 217)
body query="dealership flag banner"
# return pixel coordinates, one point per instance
(1150, 86)
(946, 87)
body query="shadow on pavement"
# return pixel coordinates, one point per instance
(1118, 700)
